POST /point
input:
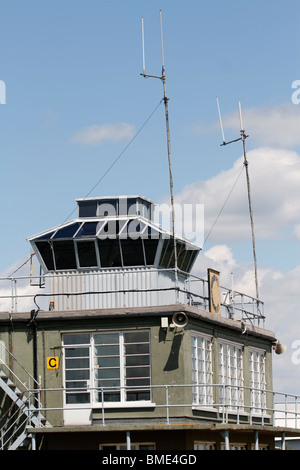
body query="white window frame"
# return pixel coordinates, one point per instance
(202, 395)
(257, 379)
(231, 374)
(94, 402)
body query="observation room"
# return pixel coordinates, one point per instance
(117, 232)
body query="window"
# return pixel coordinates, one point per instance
(77, 368)
(107, 367)
(110, 255)
(64, 254)
(257, 379)
(202, 370)
(87, 254)
(231, 375)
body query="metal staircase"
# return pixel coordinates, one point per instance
(22, 409)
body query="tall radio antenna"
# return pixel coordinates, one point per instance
(243, 139)
(162, 77)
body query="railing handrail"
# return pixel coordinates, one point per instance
(239, 305)
(221, 406)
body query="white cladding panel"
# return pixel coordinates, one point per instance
(114, 289)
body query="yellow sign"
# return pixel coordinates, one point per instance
(52, 362)
(214, 291)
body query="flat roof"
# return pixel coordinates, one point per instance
(157, 310)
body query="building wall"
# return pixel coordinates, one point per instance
(171, 362)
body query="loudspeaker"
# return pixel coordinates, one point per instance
(180, 319)
(279, 348)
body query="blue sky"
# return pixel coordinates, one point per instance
(74, 67)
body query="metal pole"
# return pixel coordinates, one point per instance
(128, 441)
(243, 135)
(163, 77)
(170, 169)
(256, 447)
(226, 437)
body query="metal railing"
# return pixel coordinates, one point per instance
(23, 293)
(262, 407)
(27, 398)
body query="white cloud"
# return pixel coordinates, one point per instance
(278, 126)
(267, 125)
(97, 134)
(275, 193)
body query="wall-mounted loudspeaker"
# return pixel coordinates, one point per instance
(279, 348)
(179, 319)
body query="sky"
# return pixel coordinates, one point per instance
(78, 120)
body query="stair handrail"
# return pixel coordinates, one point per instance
(33, 391)
(26, 390)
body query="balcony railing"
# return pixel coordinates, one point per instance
(20, 294)
(276, 409)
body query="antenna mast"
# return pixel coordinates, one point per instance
(163, 79)
(243, 139)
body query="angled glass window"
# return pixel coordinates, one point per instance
(64, 254)
(87, 254)
(110, 229)
(88, 229)
(150, 250)
(67, 232)
(45, 251)
(110, 255)
(133, 229)
(132, 252)
(166, 253)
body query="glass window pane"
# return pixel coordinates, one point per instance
(166, 255)
(88, 229)
(107, 373)
(137, 348)
(137, 372)
(77, 363)
(136, 337)
(77, 352)
(132, 252)
(80, 338)
(106, 338)
(109, 230)
(45, 251)
(107, 361)
(64, 254)
(77, 374)
(87, 254)
(107, 350)
(138, 360)
(77, 398)
(67, 232)
(150, 250)
(110, 255)
(87, 208)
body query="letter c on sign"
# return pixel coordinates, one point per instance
(52, 363)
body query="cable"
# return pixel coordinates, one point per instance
(223, 206)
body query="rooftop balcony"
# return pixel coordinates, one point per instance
(132, 287)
